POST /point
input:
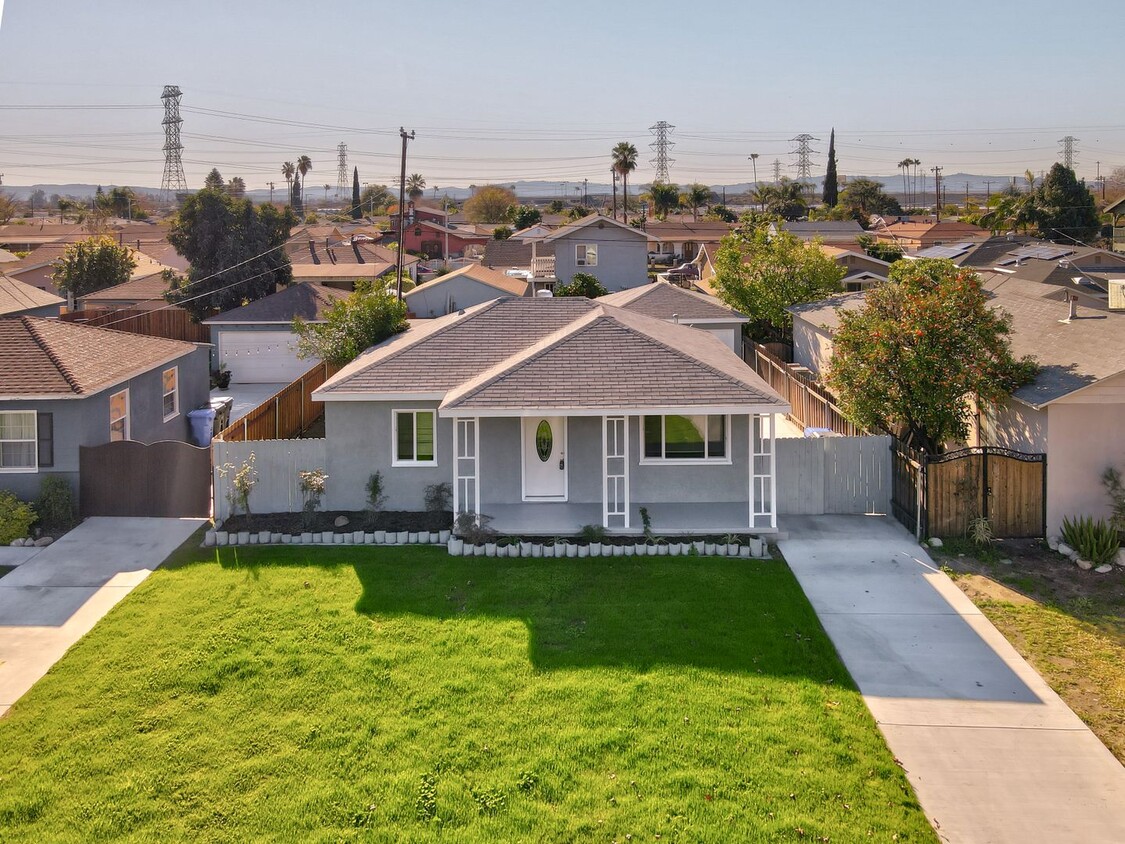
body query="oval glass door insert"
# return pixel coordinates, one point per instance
(543, 440)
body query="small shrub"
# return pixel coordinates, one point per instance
(15, 517)
(376, 492)
(55, 504)
(242, 484)
(592, 533)
(980, 531)
(646, 522)
(1111, 479)
(439, 498)
(1094, 540)
(474, 529)
(313, 484)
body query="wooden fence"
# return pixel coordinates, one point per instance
(813, 406)
(172, 323)
(285, 414)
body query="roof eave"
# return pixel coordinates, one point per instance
(623, 410)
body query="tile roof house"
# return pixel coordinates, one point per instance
(463, 288)
(256, 341)
(437, 240)
(1073, 409)
(339, 264)
(17, 298)
(671, 303)
(837, 232)
(65, 385)
(548, 414)
(914, 235)
(682, 241)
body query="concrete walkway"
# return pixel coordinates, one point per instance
(993, 753)
(59, 593)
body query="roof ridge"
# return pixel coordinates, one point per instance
(41, 341)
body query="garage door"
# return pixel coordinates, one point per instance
(262, 357)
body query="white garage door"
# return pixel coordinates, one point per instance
(262, 357)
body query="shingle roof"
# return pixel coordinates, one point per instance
(704, 230)
(15, 296)
(600, 220)
(307, 300)
(484, 275)
(149, 288)
(824, 314)
(662, 300)
(823, 226)
(49, 357)
(511, 253)
(569, 353)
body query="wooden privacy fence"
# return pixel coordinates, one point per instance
(127, 478)
(172, 323)
(286, 413)
(943, 494)
(813, 406)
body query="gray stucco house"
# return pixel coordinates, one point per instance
(548, 414)
(463, 288)
(65, 385)
(616, 254)
(666, 301)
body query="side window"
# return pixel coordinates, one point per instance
(119, 416)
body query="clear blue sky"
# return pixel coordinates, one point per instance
(502, 91)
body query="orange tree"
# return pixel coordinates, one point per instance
(919, 350)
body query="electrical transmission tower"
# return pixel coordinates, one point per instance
(173, 181)
(662, 129)
(341, 169)
(804, 157)
(1068, 151)
(777, 170)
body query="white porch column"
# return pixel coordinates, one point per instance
(763, 475)
(466, 474)
(615, 471)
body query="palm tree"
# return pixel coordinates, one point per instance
(624, 162)
(326, 189)
(415, 186)
(786, 199)
(904, 165)
(304, 165)
(287, 170)
(1029, 177)
(695, 196)
(664, 198)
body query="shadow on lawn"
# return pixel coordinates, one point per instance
(637, 612)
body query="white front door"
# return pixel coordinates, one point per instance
(544, 458)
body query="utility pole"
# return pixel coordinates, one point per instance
(271, 192)
(937, 191)
(754, 163)
(613, 173)
(402, 206)
(988, 187)
(585, 193)
(1100, 178)
(966, 196)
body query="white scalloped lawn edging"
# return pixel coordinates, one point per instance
(754, 549)
(220, 538)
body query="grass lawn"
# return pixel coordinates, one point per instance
(401, 694)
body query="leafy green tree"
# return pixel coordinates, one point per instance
(523, 216)
(357, 203)
(123, 202)
(38, 199)
(721, 214)
(236, 187)
(761, 275)
(864, 197)
(880, 249)
(582, 284)
(415, 186)
(1064, 207)
(375, 199)
(501, 232)
(214, 180)
(921, 348)
(664, 198)
(624, 156)
(93, 264)
(8, 208)
(556, 206)
(236, 251)
(489, 204)
(786, 199)
(695, 197)
(368, 316)
(831, 180)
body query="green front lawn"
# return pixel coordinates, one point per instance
(401, 694)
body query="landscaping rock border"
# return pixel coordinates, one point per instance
(1056, 544)
(755, 548)
(221, 538)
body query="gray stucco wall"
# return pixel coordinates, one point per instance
(710, 482)
(431, 298)
(359, 436)
(622, 257)
(85, 422)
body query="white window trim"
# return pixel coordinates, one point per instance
(24, 470)
(128, 414)
(726, 460)
(584, 250)
(395, 461)
(175, 393)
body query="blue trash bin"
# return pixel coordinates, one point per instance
(202, 424)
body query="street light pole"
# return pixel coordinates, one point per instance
(754, 161)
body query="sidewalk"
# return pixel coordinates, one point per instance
(58, 593)
(992, 752)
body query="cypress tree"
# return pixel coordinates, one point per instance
(357, 212)
(831, 186)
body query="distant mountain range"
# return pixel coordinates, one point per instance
(955, 184)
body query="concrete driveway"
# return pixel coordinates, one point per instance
(58, 593)
(993, 753)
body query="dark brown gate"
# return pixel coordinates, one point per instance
(1006, 487)
(164, 479)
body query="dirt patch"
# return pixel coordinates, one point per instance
(978, 586)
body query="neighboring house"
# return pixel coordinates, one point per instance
(38, 268)
(515, 255)
(341, 264)
(435, 240)
(7, 257)
(916, 235)
(832, 232)
(460, 289)
(861, 270)
(682, 241)
(548, 414)
(1116, 212)
(616, 254)
(17, 298)
(416, 212)
(670, 303)
(1072, 411)
(256, 341)
(64, 385)
(145, 293)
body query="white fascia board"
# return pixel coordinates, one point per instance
(710, 410)
(318, 395)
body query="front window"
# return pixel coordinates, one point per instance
(586, 254)
(119, 416)
(18, 441)
(686, 438)
(171, 394)
(414, 443)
